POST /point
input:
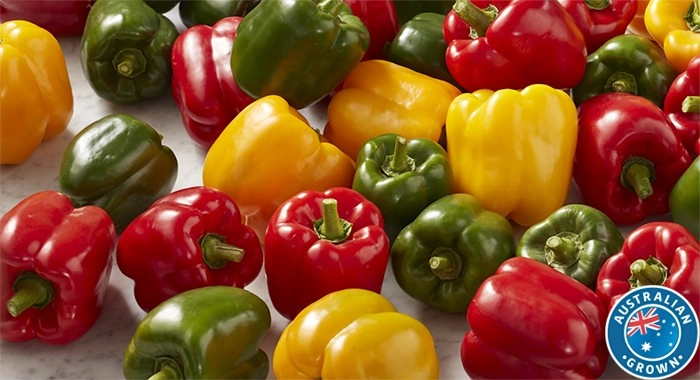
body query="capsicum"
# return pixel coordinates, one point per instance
(209, 12)
(575, 240)
(600, 20)
(675, 25)
(60, 18)
(118, 163)
(36, 97)
(682, 106)
(455, 27)
(318, 242)
(379, 16)
(205, 333)
(684, 199)
(406, 10)
(628, 157)
(637, 26)
(531, 321)
(450, 248)
(55, 263)
(191, 238)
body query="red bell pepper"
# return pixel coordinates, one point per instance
(682, 106)
(529, 321)
(600, 20)
(191, 238)
(627, 158)
(203, 85)
(60, 18)
(513, 50)
(455, 28)
(320, 242)
(379, 16)
(55, 264)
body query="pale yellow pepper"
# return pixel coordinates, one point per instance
(675, 28)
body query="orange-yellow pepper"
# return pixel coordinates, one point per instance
(36, 98)
(513, 150)
(269, 153)
(636, 26)
(675, 25)
(381, 97)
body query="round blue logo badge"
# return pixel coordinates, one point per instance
(652, 332)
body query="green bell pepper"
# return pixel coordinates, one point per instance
(297, 49)
(162, 6)
(408, 9)
(401, 177)
(208, 12)
(125, 51)
(684, 200)
(212, 332)
(575, 239)
(626, 63)
(451, 247)
(119, 164)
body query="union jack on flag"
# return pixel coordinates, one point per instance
(642, 322)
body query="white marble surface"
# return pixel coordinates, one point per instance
(98, 354)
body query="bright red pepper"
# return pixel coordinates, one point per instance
(191, 238)
(203, 85)
(682, 106)
(320, 242)
(628, 157)
(55, 264)
(60, 18)
(526, 296)
(600, 20)
(513, 50)
(455, 28)
(379, 16)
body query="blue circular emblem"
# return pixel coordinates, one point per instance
(652, 332)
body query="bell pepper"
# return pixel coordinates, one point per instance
(269, 153)
(628, 157)
(406, 10)
(380, 97)
(36, 97)
(300, 50)
(455, 27)
(162, 6)
(684, 199)
(355, 334)
(379, 16)
(450, 248)
(205, 333)
(60, 18)
(516, 163)
(188, 239)
(511, 49)
(318, 242)
(554, 327)
(202, 84)
(637, 26)
(55, 264)
(119, 164)
(209, 12)
(600, 20)
(675, 25)
(125, 51)
(627, 63)
(682, 106)
(575, 240)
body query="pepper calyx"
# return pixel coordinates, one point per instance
(31, 290)
(647, 272)
(445, 263)
(330, 226)
(637, 174)
(216, 253)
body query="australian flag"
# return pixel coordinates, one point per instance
(642, 322)
(652, 332)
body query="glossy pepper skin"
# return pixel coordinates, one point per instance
(628, 157)
(318, 242)
(203, 85)
(269, 153)
(682, 106)
(206, 333)
(406, 10)
(525, 296)
(684, 200)
(516, 163)
(448, 250)
(55, 264)
(355, 334)
(125, 51)
(511, 49)
(675, 26)
(637, 26)
(379, 16)
(209, 12)
(36, 97)
(191, 238)
(575, 240)
(455, 28)
(627, 63)
(60, 18)
(600, 20)
(280, 43)
(119, 164)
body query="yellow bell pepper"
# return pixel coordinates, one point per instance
(36, 98)
(513, 150)
(269, 153)
(381, 97)
(355, 334)
(675, 25)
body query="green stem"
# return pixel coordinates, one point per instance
(478, 19)
(647, 272)
(167, 370)
(691, 104)
(637, 174)
(562, 250)
(692, 16)
(217, 253)
(129, 62)
(445, 263)
(597, 4)
(621, 82)
(398, 162)
(30, 290)
(331, 226)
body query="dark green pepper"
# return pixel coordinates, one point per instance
(684, 200)
(451, 247)
(575, 239)
(205, 333)
(119, 164)
(401, 177)
(162, 6)
(208, 12)
(297, 49)
(626, 63)
(125, 51)
(407, 9)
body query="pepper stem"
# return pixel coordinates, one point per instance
(691, 104)
(399, 162)
(692, 16)
(597, 4)
(30, 290)
(637, 174)
(217, 253)
(129, 62)
(562, 250)
(621, 82)
(167, 370)
(478, 19)
(331, 227)
(445, 263)
(647, 272)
